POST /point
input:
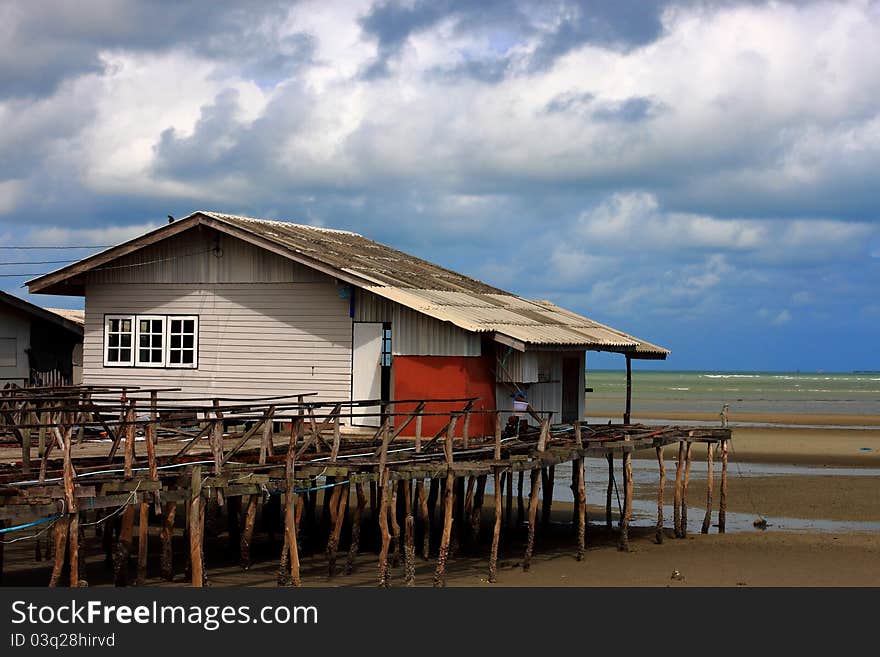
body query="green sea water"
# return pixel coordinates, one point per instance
(745, 392)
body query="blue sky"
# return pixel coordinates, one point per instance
(701, 174)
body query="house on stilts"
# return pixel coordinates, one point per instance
(224, 305)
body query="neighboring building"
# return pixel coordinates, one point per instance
(39, 345)
(229, 306)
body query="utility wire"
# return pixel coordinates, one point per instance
(86, 246)
(37, 262)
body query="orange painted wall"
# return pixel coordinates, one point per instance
(446, 377)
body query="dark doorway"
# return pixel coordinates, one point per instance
(571, 390)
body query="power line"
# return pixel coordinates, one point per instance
(86, 246)
(216, 251)
(37, 262)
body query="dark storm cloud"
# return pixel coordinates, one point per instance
(48, 42)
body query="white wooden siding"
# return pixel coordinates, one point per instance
(254, 339)
(203, 255)
(415, 334)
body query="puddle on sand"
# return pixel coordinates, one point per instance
(644, 511)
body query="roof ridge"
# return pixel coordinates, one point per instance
(280, 222)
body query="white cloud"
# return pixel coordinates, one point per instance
(105, 235)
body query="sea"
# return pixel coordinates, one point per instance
(765, 393)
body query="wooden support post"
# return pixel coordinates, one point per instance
(658, 535)
(409, 530)
(446, 536)
(468, 502)
(266, 447)
(440, 572)
(341, 499)
(128, 462)
(385, 495)
(610, 490)
(143, 537)
(217, 441)
(676, 503)
(397, 544)
(73, 532)
(548, 476)
(710, 485)
(465, 431)
(578, 465)
(123, 546)
(722, 503)
(627, 412)
(496, 528)
(166, 567)
(508, 477)
(60, 531)
(196, 528)
(627, 501)
(520, 507)
(533, 516)
(290, 505)
(425, 516)
(247, 534)
(477, 510)
(356, 527)
(684, 489)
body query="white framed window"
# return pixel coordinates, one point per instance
(150, 336)
(118, 340)
(167, 341)
(183, 332)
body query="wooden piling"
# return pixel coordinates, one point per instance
(684, 489)
(338, 520)
(610, 491)
(166, 567)
(123, 546)
(722, 503)
(627, 501)
(290, 538)
(409, 550)
(520, 507)
(356, 519)
(59, 532)
(143, 539)
(533, 517)
(196, 526)
(440, 572)
(247, 534)
(578, 465)
(710, 485)
(658, 534)
(548, 476)
(676, 510)
(496, 529)
(396, 552)
(385, 533)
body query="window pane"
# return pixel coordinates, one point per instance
(125, 340)
(175, 341)
(157, 341)
(113, 355)
(187, 357)
(145, 326)
(144, 355)
(124, 355)
(174, 357)
(113, 340)
(145, 340)
(188, 341)
(114, 325)
(189, 326)
(157, 326)
(157, 355)
(126, 325)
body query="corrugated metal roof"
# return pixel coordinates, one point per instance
(410, 281)
(75, 316)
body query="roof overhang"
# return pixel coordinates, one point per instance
(40, 313)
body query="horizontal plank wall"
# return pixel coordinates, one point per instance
(254, 339)
(412, 333)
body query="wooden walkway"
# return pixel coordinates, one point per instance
(97, 459)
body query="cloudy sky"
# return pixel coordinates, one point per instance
(705, 175)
